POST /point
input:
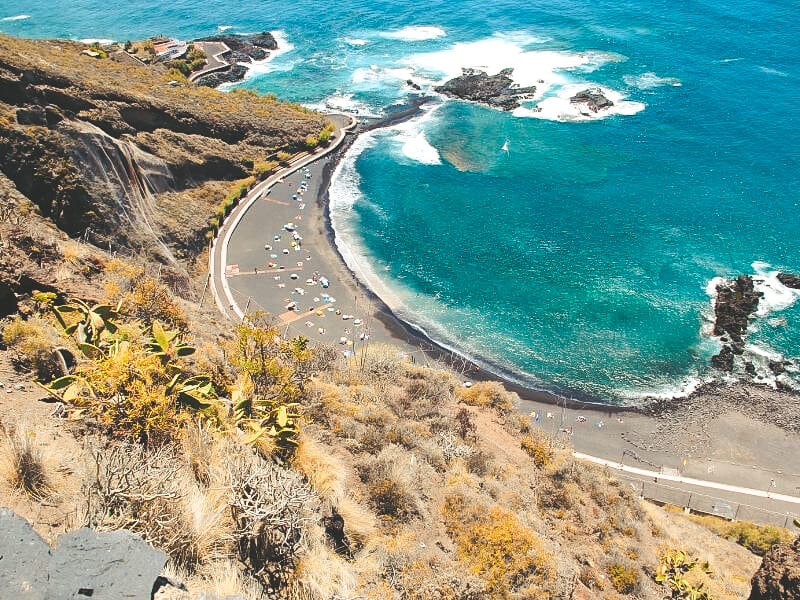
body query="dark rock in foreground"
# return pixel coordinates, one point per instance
(790, 281)
(736, 301)
(778, 577)
(115, 564)
(593, 99)
(498, 91)
(84, 564)
(23, 559)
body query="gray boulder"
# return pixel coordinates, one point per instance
(103, 566)
(115, 565)
(24, 558)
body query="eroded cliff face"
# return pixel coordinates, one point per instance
(95, 144)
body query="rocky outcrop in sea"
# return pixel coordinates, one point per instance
(736, 301)
(246, 48)
(497, 91)
(592, 99)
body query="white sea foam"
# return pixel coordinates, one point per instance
(776, 296)
(502, 51)
(771, 71)
(101, 41)
(223, 28)
(558, 107)
(375, 73)
(355, 41)
(413, 143)
(415, 33)
(649, 80)
(343, 102)
(556, 74)
(16, 18)
(666, 391)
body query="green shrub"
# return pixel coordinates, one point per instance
(757, 538)
(312, 141)
(623, 579)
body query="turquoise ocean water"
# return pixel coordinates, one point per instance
(569, 253)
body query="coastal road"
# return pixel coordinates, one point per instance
(258, 264)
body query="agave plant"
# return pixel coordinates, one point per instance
(167, 344)
(95, 327)
(259, 417)
(196, 392)
(675, 564)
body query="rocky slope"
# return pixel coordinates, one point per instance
(778, 578)
(94, 143)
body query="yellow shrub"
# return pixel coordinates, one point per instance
(149, 300)
(623, 579)
(496, 546)
(32, 345)
(538, 449)
(488, 393)
(126, 393)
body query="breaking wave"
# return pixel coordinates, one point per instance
(415, 33)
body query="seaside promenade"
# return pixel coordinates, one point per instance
(275, 254)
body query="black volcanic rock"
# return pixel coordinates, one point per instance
(246, 47)
(790, 281)
(593, 99)
(736, 301)
(498, 91)
(412, 85)
(217, 78)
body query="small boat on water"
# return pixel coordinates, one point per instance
(505, 147)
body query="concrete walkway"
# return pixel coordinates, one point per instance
(214, 61)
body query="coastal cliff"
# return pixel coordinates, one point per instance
(95, 143)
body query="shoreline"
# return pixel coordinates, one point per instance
(722, 424)
(407, 332)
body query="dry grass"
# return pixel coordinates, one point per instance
(393, 480)
(23, 464)
(322, 574)
(224, 579)
(489, 394)
(32, 342)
